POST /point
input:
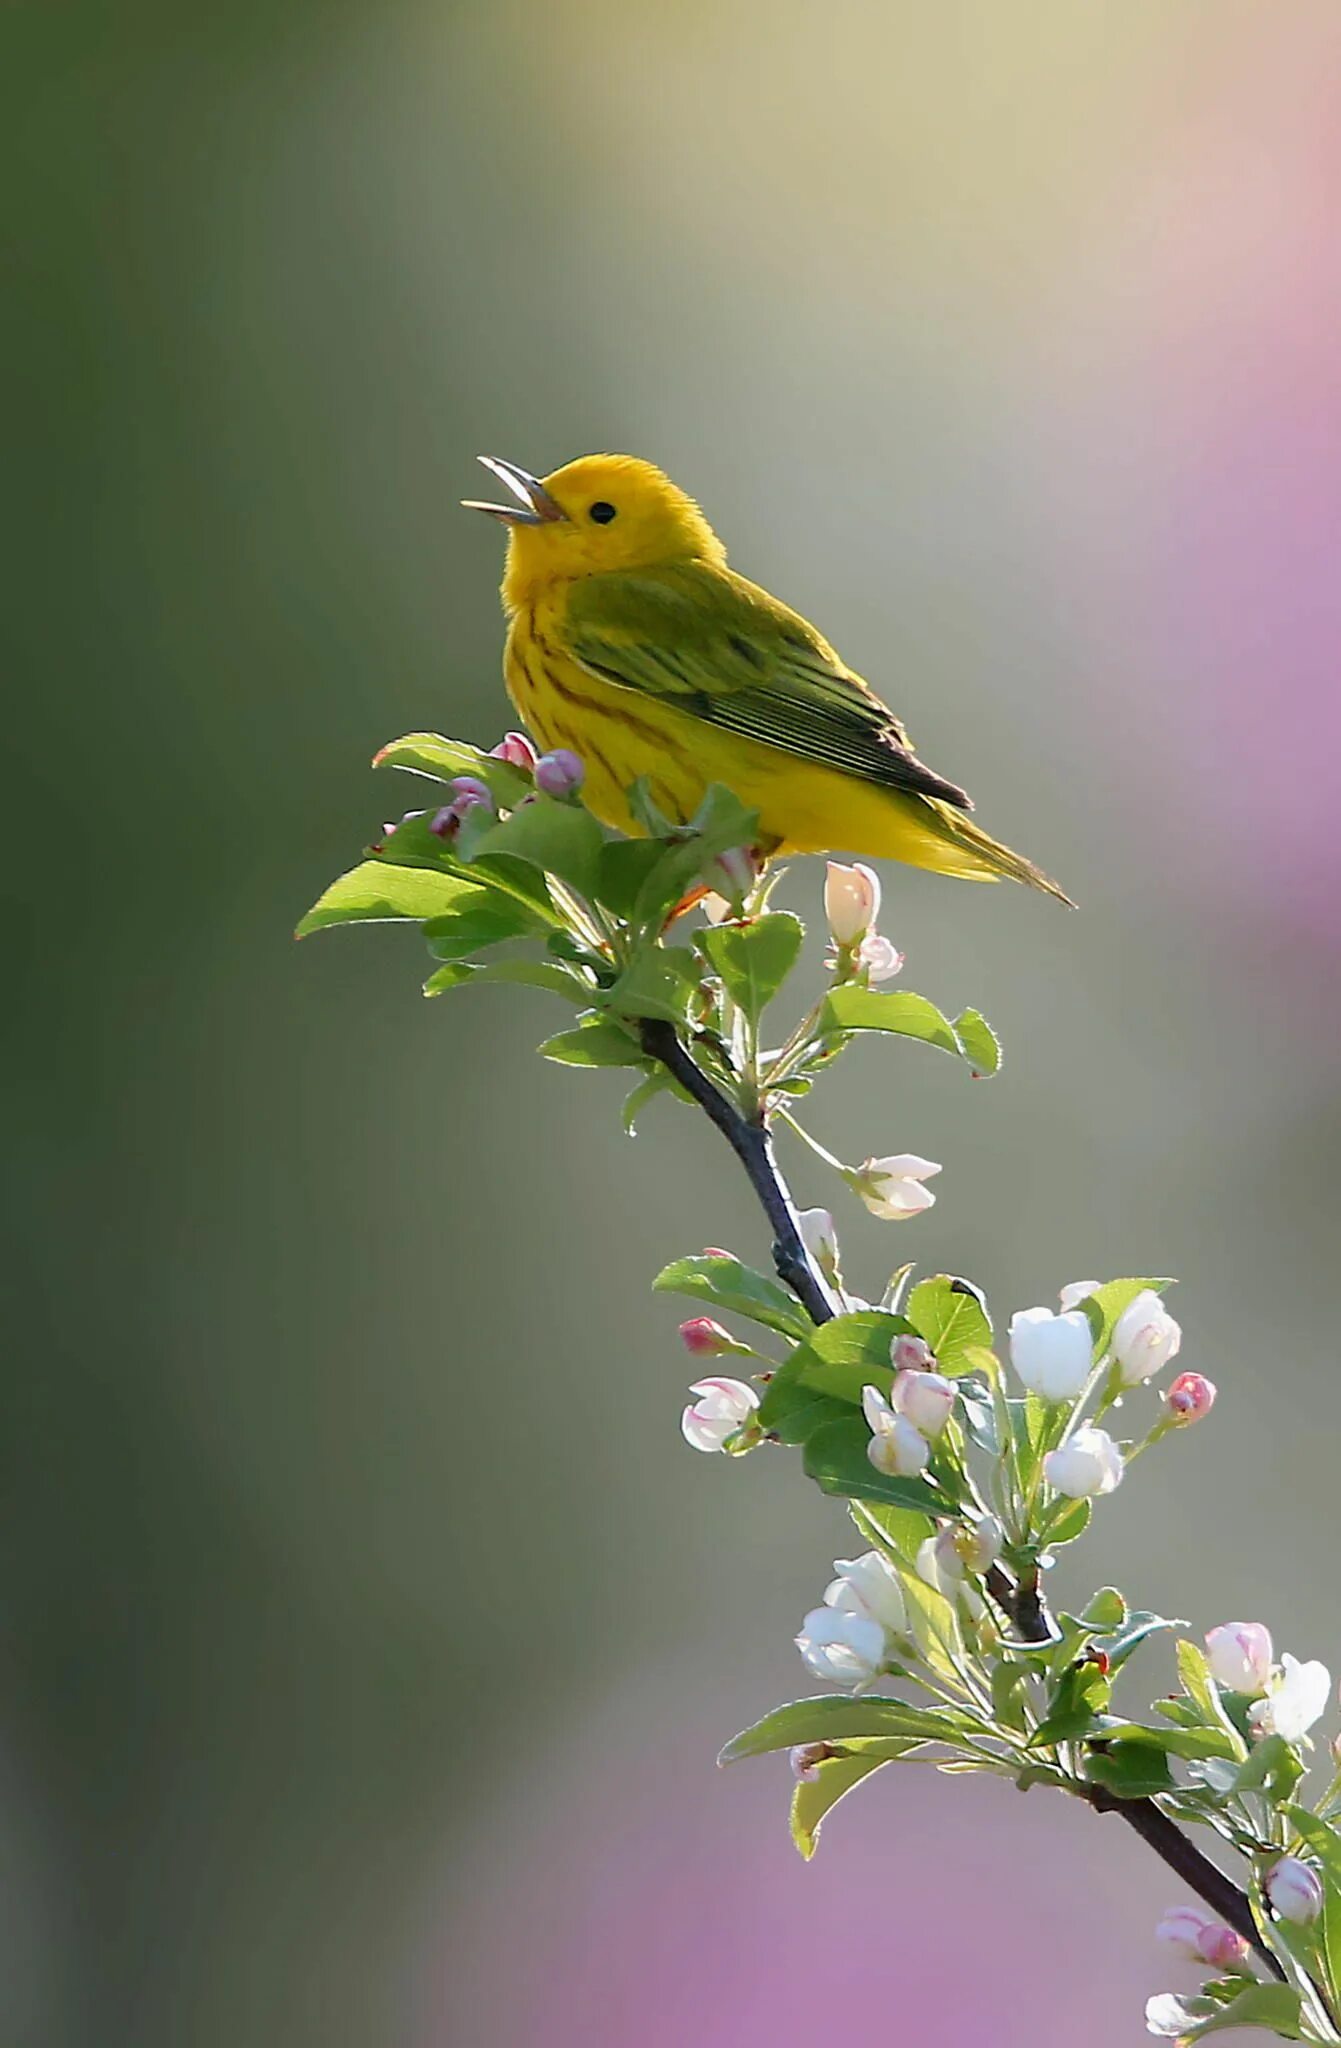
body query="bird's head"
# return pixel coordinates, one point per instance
(599, 513)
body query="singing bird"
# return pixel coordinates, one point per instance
(631, 642)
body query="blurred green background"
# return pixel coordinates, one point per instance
(368, 1629)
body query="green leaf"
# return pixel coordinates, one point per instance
(952, 1320)
(658, 983)
(852, 1008)
(722, 821)
(530, 973)
(454, 975)
(483, 917)
(656, 1083)
(727, 1284)
(835, 1458)
(1010, 1693)
(754, 959)
(1321, 1838)
(1273, 2007)
(412, 844)
(428, 753)
(1106, 1305)
(813, 1799)
(1064, 1522)
(1105, 1609)
(838, 1361)
(596, 1043)
(1130, 1770)
(901, 1530)
(1139, 1625)
(374, 893)
(1078, 1699)
(1272, 1765)
(980, 1045)
(1192, 1744)
(561, 839)
(1204, 1693)
(836, 1718)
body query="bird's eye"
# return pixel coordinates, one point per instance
(602, 512)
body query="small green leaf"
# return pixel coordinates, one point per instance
(723, 1281)
(561, 839)
(597, 1043)
(835, 1458)
(813, 1799)
(1079, 1697)
(483, 917)
(952, 1320)
(1064, 1522)
(428, 753)
(980, 1045)
(374, 893)
(834, 1718)
(754, 959)
(454, 975)
(1105, 1609)
(852, 1008)
(1010, 1693)
(656, 1083)
(528, 973)
(622, 869)
(1273, 2007)
(1107, 1304)
(658, 983)
(1204, 1693)
(1192, 1744)
(1136, 1629)
(1129, 1770)
(1271, 1765)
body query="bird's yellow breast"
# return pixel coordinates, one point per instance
(621, 735)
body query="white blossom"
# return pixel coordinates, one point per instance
(1088, 1463)
(842, 1648)
(851, 901)
(1052, 1354)
(897, 1447)
(1145, 1338)
(1296, 1697)
(869, 1585)
(722, 1408)
(892, 1188)
(1240, 1656)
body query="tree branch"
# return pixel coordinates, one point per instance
(753, 1146)
(1022, 1603)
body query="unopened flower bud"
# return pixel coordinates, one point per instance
(1295, 1890)
(843, 1648)
(736, 868)
(1052, 1354)
(806, 1758)
(723, 1407)
(1240, 1654)
(1145, 1338)
(1190, 1398)
(516, 750)
(851, 901)
(892, 1187)
(911, 1354)
(560, 773)
(925, 1398)
(704, 1338)
(1076, 1291)
(1088, 1463)
(820, 1239)
(1198, 1935)
(897, 1447)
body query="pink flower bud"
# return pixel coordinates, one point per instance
(806, 1759)
(1295, 1890)
(703, 1338)
(470, 790)
(560, 773)
(736, 867)
(1240, 1654)
(1191, 1932)
(897, 1447)
(516, 750)
(925, 1398)
(444, 822)
(851, 901)
(912, 1354)
(1190, 1398)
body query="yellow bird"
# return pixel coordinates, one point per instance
(631, 642)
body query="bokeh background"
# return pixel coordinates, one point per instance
(368, 1631)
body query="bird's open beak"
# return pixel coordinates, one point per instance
(535, 506)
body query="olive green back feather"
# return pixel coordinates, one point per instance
(721, 648)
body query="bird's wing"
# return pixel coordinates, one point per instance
(722, 649)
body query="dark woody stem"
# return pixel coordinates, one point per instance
(1021, 1603)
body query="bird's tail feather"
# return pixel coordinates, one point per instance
(984, 859)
